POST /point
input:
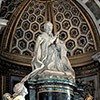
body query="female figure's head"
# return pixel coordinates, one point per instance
(20, 89)
(48, 26)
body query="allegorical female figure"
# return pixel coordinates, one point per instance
(20, 91)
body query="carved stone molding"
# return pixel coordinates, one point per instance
(8, 67)
(87, 70)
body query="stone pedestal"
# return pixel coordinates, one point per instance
(51, 89)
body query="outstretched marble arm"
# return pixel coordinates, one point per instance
(33, 74)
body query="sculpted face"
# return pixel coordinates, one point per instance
(48, 27)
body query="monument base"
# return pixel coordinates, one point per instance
(51, 89)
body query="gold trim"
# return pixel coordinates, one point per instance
(46, 12)
(49, 10)
(52, 91)
(67, 87)
(53, 16)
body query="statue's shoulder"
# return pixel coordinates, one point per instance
(42, 36)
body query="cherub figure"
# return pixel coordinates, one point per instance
(7, 96)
